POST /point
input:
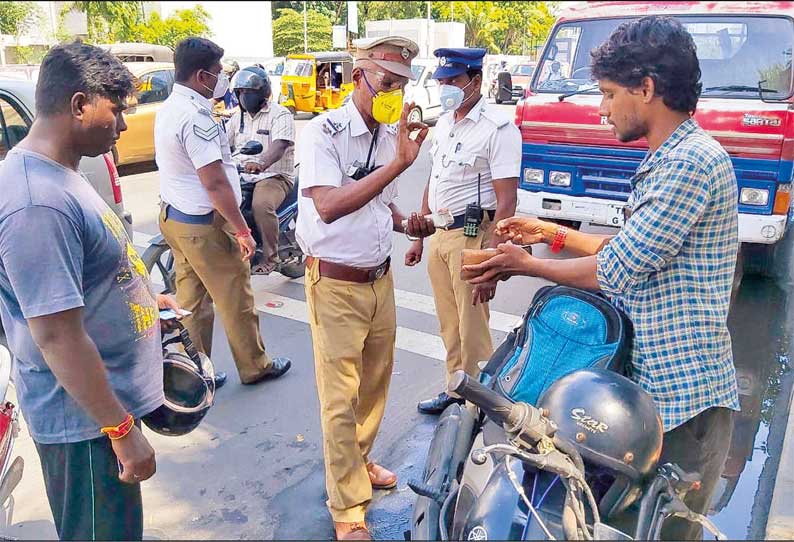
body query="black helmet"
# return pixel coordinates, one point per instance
(615, 427)
(189, 394)
(252, 78)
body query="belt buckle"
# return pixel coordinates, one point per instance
(379, 272)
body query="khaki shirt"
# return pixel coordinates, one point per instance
(268, 125)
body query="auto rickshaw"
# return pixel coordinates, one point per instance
(315, 82)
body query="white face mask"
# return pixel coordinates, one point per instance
(221, 84)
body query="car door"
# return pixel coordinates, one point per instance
(137, 143)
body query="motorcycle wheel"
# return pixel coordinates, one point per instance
(159, 257)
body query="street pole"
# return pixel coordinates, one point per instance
(428, 31)
(305, 33)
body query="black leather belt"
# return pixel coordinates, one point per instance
(460, 219)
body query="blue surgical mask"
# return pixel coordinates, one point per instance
(452, 97)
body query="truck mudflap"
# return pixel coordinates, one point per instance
(448, 450)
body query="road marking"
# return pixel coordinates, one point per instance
(499, 321)
(410, 340)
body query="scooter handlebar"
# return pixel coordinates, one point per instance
(498, 407)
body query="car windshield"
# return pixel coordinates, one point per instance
(523, 69)
(737, 55)
(299, 67)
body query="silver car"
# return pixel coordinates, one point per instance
(17, 108)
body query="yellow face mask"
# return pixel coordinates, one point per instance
(387, 106)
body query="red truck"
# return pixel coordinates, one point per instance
(574, 169)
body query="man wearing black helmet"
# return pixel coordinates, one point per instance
(273, 169)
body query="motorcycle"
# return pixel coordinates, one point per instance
(10, 470)
(501, 470)
(292, 262)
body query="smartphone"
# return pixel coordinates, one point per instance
(169, 314)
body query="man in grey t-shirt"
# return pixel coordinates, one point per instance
(76, 305)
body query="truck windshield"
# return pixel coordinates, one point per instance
(737, 55)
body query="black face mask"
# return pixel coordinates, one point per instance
(252, 102)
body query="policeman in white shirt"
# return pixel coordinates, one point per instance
(200, 217)
(476, 153)
(272, 172)
(349, 160)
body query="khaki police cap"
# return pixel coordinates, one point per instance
(392, 53)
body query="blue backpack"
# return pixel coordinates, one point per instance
(564, 330)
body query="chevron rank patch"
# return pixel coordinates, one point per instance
(207, 135)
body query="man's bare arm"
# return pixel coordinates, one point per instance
(74, 360)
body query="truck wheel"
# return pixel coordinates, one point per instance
(159, 257)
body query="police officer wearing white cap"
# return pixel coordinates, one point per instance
(349, 161)
(476, 153)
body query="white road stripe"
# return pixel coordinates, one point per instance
(410, 340)
(500, 321)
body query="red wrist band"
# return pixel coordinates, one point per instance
(120, 431)
(559, 239)
(244, 233)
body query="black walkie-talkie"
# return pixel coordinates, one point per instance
(473, 217)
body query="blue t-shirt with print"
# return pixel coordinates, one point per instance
(61, 248)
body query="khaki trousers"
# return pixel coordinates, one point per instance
(464, 327)
(268, 195)
(353, 332)
(209, 268)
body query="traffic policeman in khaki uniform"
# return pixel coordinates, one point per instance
(349, 161)
(273, 170)
(200, 217)
(476, 153)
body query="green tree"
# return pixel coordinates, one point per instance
(507, 27)
(109, 21)
(16, 18)
(288, 32)
(335, 11)
(170, 31)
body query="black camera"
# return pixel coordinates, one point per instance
(357, 171)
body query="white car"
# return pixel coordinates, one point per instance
(423, 91)
(17, 108)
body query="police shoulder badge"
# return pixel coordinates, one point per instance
(207, 134)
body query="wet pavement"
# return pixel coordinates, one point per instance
(760, 324)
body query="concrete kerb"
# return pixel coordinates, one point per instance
(780, 523)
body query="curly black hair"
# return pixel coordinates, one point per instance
(78, 67)
(657, 47)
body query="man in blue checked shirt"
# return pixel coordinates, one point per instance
(671, 267)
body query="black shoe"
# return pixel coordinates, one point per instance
(437, 404)
(278, 367)
(220, 380)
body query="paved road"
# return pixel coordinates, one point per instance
(253, 469)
